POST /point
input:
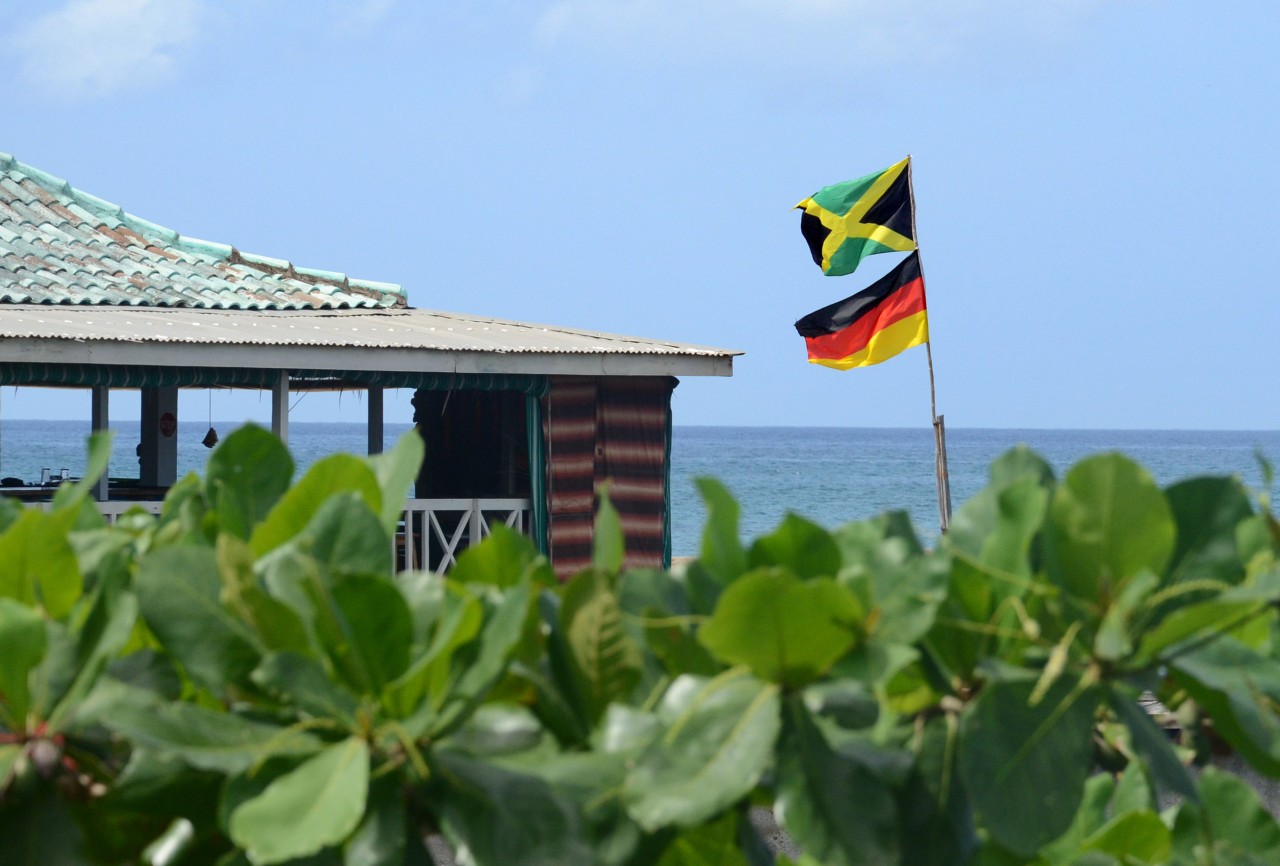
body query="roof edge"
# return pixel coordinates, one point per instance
(388, 294)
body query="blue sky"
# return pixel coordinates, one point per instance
(1095, 180)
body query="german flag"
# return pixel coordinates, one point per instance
(880, 321)
(846, 222)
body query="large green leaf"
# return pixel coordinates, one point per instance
(346, 537)
(1095, 806)
(1107, 521)
(935, 821)
(305, 683)
(1023, 765)
(239, 788)
(497, 729)
(246, 475)
(203, 738)
(316, 806)
(396, 470)
(657, 613)
(997, 526)
(721, 557)
(846, 701)
(1207, 512)
(338, 473)
(10, 510)
(1133, 791)
(606, 661)
(38, 830)
(185, 507)
(965, 628)
(22, 646)
(495, 816)
(37, 563)
(497, 643)
(1130, 837)
(785, 630)
(898, 586)
(10, 756)
(590, 783)
(276, 625)
(159, 784)
(834, 808)
(502, 559)
(1017, 463)
(1236, 815)
(608, 545)
(104, 631)
(424, 592)
(1153, 748)
(626, 730)
(385, 835)
(447, 617)
(1115, 636)
(1198, 622)
(797, 544)
(378, 628)
(180, 593)
(710, 756)
(711, 844)
(1239, 689)
(345, 618)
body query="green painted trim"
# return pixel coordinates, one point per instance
(93, 375)
(537, 471)
(525, 384)
(140, 376)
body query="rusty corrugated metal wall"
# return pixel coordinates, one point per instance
(613, 429)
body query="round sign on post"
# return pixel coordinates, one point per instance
(168, 424)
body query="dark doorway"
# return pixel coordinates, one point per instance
(476, 444)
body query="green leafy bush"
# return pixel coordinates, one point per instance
(245, 679)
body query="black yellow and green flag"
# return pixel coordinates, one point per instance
(846, 222)
(886, 318)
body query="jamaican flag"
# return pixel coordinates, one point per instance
(877, 323)
(846, 222)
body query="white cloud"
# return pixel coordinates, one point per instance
(842, 35)
(93, 47)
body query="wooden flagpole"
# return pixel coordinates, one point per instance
(939, 427)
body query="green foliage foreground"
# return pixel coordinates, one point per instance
(245, 680)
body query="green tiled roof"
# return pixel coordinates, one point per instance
(59, 245)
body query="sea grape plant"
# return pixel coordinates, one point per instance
(246, 679)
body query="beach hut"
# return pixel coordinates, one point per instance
(522, 422)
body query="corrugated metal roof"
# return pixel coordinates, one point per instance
(60, 245)
(372, 329)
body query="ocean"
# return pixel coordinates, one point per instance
(832, 475)
(828, 474)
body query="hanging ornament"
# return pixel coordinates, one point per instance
(211, 438)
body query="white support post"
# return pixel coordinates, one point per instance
(101, 420)
(375, 421)
(158, 466)
(280, 407)
(475, 528)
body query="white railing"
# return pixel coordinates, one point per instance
(114, 508)
(435, 531)
(432, 532)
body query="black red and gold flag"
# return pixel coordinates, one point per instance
(886, 318)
